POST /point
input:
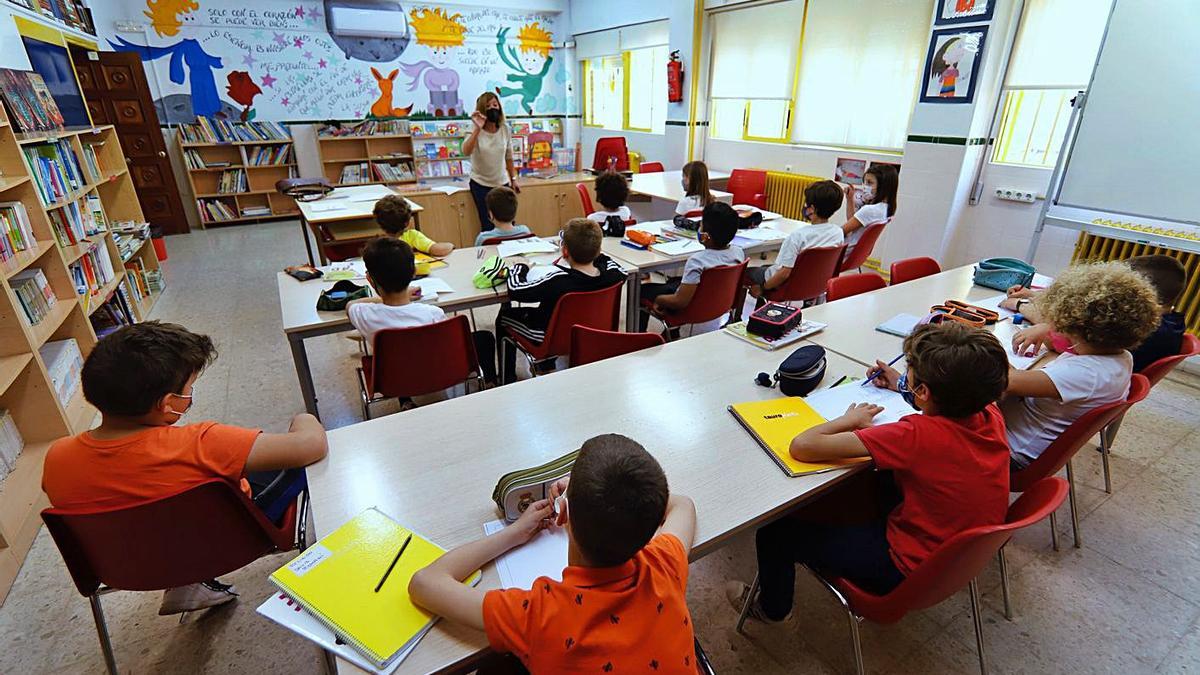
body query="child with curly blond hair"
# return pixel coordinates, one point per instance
(1104, 309)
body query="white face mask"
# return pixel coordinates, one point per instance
(867, 192)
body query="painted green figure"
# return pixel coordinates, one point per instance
(533, 57)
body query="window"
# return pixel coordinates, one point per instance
(625, 77)
(1052, 59)
(824, 72)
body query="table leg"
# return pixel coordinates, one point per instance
(307, 244)
(633, 294)
(303, 372)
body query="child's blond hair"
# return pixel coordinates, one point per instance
(1106, 305)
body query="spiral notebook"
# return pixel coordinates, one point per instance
(775, 422)
(335, 578)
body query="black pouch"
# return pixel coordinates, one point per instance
(339, 295)
(613, 226)
(749, 219)
(801, 371)
(685, 223)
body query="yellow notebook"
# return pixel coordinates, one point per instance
(775, 422)
(431, 263)
(335, 581)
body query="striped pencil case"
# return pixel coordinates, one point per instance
(516, 490)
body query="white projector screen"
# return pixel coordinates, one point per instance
(1138, 144)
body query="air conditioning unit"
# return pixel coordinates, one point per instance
(366, 19)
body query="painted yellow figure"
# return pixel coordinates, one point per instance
(531, 66)
(439, 31)
(165, 16)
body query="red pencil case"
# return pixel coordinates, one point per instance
(773, 320)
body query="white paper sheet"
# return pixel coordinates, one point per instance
(543, 556)
(653, 227)
(1004, 331)
(325, 208)
(285, 612)
(431, 287)
(680, 247)
(832, 403)
(993, 303)
(762, 234)
(530, 246)
(372, 193)
(449, 189)
(900, 325)
(348, 269)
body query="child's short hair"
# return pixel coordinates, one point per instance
(130, 370)
(393, 213)
(612, 190)
(1107, 305)
(390, 263)
(502, 203)
(825, 197)
(617, 496)
(1166, 274)
(720, 221)
(582, 237)
(965, 368)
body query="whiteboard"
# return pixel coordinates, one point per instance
(1137, 145)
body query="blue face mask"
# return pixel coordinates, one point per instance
(906, 393)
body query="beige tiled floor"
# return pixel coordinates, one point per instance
(1128, 601)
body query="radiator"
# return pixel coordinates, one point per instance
(785, 192)
(1092, 248)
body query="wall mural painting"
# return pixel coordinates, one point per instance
(278, 61)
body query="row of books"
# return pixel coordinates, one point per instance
(73, 13)
(64, 365)
(114, 313)
(356, 173)
(91, 162)
(207, 130)
(391, 173)
(28, 101)
(34, 293)
(450, 148)
(215, 210)
(11, 443)
(443, 169)
(256, 211)
(16, 234)
(91, 272)
(55, 170)
(457, 128)
(268, 155)
(233, 181)
(194, 160)
(142, 282)
(367, 128)
(73, 223)
(130, 237)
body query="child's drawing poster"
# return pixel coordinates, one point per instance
(952, 65)
(275, 60)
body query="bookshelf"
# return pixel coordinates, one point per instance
(368, 153)
(71, 197)
(232, 168)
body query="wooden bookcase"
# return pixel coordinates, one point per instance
(368, 151)
(26, 390)
(258, 192)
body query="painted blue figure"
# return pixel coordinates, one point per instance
(200, 65)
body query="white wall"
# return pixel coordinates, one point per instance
(589, 16)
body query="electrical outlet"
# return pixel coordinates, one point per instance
(1014, 195)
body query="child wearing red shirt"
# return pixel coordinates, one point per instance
(950, 464)
(621, 605)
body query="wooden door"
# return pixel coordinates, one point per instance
(540, 206)
(115, 89)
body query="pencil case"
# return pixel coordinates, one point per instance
(773, 320)
(801, 371)
(516, 490)
(1003, 273)
(941, 313)
(640, 237)
(989, 317)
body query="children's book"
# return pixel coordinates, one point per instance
(775, 422)
(336, 579)
(806, 328)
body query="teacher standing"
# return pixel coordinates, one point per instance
(491, 154)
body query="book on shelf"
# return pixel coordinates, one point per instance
(215, 210)
(96, 207)
(16, 234)
(207, 130)
(389, 173)
(11, 442)
(28, 101)
(91, 162)
(269, 155)
(64, 363)
(34, 294)
(54, 168)
(258, 211)
(112, 315)
(92, 271)
(356, 173)
(73, 223)
(128, 293)
(233, 181)
(365, 128)
(135, 277)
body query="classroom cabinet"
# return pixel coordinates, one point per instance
(546, 207)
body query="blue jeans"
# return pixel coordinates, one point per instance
(479, 194)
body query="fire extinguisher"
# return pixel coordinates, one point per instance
(675, 78)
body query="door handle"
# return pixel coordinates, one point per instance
(161, 153)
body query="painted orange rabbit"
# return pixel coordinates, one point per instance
(382, 107)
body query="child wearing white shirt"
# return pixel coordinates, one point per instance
(821, 201)
(871, 204)
(390, 269)
(696, 195)
(612, 190)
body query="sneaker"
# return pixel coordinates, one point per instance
(196, 596)
(736, 593)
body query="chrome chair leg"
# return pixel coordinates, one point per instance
(746, 606)
(1004, 583)
(1074, 506)
(1104, 451)
(856, 642)
(976, 614)
(1054, 530)
(102, 631)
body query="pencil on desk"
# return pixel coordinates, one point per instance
(394, 561)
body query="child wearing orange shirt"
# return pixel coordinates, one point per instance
(140, 378)
(621, 605)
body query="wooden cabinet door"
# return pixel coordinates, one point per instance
(468, 217)
(569, 204)
(439, 220)
(540, 208)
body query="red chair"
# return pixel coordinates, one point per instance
(492, 241)
(913, 268)
(749, 186)
(650, 167)
(954, 564)
(1059, 453)
(593, 309)
(813, 269)
(715, 297)
(585, 198)
(862, 250)
(589, 345)
(447, 358)
(199, 533)
(610, 149)
(853, 284)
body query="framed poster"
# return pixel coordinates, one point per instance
(952, 65)
(850, 171)
(952, 12)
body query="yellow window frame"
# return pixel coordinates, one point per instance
(626, 60)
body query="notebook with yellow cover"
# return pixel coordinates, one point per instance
(433, 263)
(775, 422)
(335, 579)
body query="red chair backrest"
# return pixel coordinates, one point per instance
(492, 241)
(611, 146)
(447, 357)
(913, 268)
(594, 309)
(199, 533)
(748, 186)
(853, 284)
(813, 269)
(1156, 371)
(589, 345)
(958, 560)
(1074, 437)
(585, 198)
(862, 250)
(650, 167)
(714, 297)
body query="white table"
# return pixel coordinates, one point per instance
(433, 468)
(347, 215)
(667, 185)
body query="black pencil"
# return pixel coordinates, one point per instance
(394, 561)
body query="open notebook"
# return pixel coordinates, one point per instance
(545, 555)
